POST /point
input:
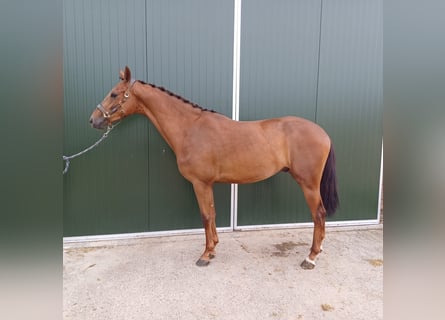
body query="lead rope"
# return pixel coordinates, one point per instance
(68, 158)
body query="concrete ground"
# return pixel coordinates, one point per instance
(255, 275)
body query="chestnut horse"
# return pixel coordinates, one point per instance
(211, 148)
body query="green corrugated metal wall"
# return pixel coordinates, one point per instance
(131, 183)
(106, 190)
(317, 59)
(279, 64)
(350, 100)
(189, 51)
(321, 60)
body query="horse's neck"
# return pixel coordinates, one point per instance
(171, 116)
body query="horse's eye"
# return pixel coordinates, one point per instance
(113, 95)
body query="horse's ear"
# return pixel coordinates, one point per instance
(127, 74)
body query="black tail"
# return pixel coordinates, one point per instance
(328, 187)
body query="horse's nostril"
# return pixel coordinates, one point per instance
(91, 120)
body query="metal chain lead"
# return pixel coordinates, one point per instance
(68, 158)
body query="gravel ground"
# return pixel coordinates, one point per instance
(255, 275)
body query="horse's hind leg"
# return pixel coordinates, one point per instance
(204, 195)
(318, 212)
(311, 191)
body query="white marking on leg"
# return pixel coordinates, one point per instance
(310, 261)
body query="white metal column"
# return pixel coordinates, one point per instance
(235, 99)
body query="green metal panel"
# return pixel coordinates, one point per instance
(105, 191)
(350, 100)
(131, 183)
(279, 62)
(190, 51)
(320, 60)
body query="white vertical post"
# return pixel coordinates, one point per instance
(235, 99)
(236, 59)
(379, 207)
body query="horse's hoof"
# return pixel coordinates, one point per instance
(202, 263)
(308, 264)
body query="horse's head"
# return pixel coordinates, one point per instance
(117, 104)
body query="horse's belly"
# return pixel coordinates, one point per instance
(248, 170)
(245, 177)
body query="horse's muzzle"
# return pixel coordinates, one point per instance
(98, 122)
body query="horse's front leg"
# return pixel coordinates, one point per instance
(204, 195)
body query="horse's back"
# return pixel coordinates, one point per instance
(297, 131)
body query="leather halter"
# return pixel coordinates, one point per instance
(107, 114)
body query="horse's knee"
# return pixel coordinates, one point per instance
(205, 218)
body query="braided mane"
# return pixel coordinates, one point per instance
(194, 105)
